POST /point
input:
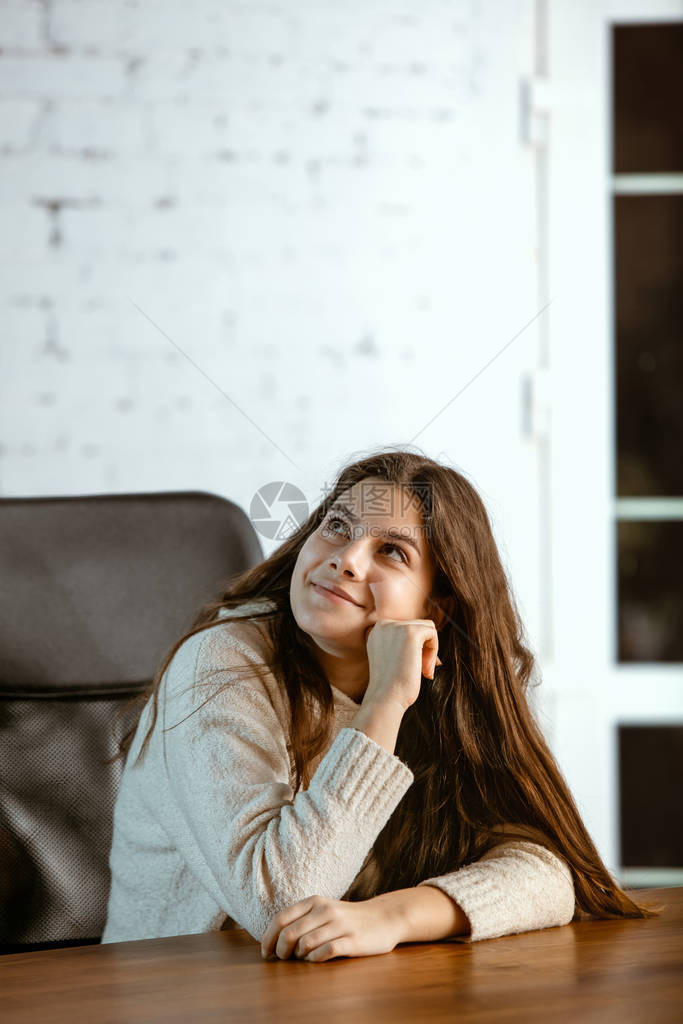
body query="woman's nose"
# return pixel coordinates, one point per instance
(349, 562)
(341, 566)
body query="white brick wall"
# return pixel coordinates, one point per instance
(327, 207)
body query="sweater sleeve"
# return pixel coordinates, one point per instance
(517, 886)
(253, 845)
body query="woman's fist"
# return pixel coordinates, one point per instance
(400, 652)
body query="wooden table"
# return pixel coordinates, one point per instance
(604, 971)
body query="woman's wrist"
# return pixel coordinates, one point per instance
(423, 914)
(381, 721)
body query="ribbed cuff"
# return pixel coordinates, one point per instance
(479, 898)
(519, 886)
(359, 775)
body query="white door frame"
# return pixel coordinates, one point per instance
(589, 692)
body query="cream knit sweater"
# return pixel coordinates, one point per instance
(209, 835)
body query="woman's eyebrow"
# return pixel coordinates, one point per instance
(393, 532)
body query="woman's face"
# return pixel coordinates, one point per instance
(387, 577)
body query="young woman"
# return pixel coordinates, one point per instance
(345, 758)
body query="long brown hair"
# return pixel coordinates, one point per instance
(478, 756)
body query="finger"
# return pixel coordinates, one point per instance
(286, 942)
(281, 920)
(290, 936)
(337, 947)
(429, 655)
(315, 938)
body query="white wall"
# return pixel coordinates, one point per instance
(327, 209)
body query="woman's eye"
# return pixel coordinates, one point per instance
(394, 547)
(333, 520)
(401, 552)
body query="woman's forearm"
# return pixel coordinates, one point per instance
(380, 721)
(424, 914)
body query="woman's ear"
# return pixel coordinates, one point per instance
(443, 609)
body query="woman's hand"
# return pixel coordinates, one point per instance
(319, 929)
(400, 652)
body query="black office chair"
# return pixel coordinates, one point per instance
(94, 591)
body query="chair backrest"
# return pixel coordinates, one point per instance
(94, 592)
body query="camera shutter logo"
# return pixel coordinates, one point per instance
(278, 509)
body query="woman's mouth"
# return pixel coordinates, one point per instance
(332, 596)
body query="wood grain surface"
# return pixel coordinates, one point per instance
(626, 972)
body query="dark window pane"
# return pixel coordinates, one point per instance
(650, 587)
(651, 796)
(647, 76)
(648, 245)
